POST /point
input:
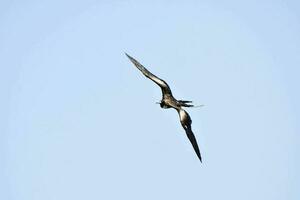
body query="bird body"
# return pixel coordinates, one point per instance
(168, 101)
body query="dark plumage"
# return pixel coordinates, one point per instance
(168, 101)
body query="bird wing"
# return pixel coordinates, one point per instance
(186, 122)
(161, 83)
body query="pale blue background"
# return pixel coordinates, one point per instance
(79, 121)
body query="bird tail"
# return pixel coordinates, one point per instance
(185, 103)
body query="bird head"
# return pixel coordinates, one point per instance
(162, 104)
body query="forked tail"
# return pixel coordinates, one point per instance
(184, 103)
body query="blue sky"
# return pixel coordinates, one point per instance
(79, 121)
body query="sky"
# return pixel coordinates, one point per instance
(79, 121)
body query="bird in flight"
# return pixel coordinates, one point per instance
(168, 101)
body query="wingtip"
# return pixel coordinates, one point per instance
(128, 55)
(134, 61)
(200, 158)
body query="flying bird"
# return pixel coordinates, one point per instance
(168, 101)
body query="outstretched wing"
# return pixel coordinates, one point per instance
(186, 122)
(193, 140)
(161, 83)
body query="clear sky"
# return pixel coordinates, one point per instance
(79, 121)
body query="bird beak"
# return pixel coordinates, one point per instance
(157, 102)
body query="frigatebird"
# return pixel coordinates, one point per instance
(168, 101)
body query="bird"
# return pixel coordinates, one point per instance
(168, 101)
